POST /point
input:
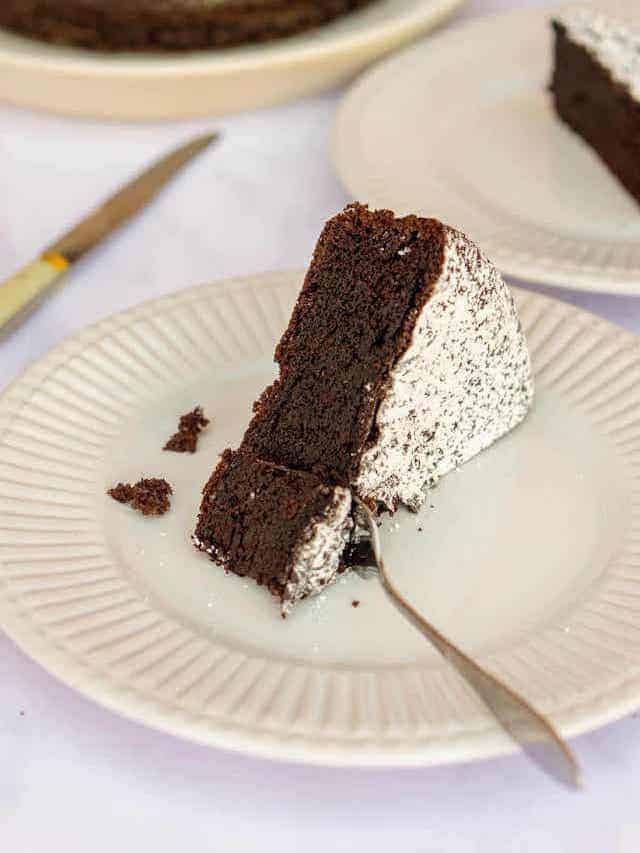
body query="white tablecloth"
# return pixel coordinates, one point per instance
(76, 778)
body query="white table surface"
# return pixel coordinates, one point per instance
(76, 778)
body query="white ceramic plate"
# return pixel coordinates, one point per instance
(143, 86)
(529, 556)
(461, 127)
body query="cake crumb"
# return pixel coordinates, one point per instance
(355, 603)
(148, 496)
(22, 713)
(185, 440)
(419, 530)
(123, 493)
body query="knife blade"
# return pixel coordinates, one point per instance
(25, 290)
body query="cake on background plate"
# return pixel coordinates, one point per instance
(167, 24)
(596, 87)
(403, 358)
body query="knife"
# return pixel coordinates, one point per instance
(25, 290)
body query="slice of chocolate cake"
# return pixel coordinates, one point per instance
(403, 358)
(285, 529)
(596, 88)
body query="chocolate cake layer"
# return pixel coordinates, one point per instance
(167, 24)
(370, 276)
(596, 89)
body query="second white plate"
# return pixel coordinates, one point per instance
(529, 556)
(461, 127)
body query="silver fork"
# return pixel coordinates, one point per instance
(528, 727)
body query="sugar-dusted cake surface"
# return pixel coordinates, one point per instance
(614, 43)
(596, 87)
(463, 381)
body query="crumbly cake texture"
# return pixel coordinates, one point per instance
(596, 87)
(403, 358)
(185, 440)
(167, 24)
(285, 529)
(149, 496)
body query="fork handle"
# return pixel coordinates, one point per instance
(24, 291)
(527, 726)
(530, 729)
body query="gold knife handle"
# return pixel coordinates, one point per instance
(24, 291)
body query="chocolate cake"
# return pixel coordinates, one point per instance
(596, 88)
(190, 425)
(285, 529)
(149, 496)
(403, 358)
(167, 24)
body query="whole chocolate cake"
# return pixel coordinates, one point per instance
(167, 24)
(596, 87)
(403, 358)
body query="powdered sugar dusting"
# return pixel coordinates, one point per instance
(316, 560)
(615, 44)
(463, 382)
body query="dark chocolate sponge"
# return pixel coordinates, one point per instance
(368, 281)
